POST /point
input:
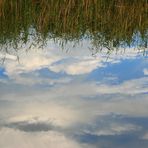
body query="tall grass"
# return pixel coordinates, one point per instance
(112, 20)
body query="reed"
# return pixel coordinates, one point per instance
(112, 20)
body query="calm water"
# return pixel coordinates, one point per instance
(91, 95)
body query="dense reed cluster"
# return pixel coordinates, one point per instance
(110, 20)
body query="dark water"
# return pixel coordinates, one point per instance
(66, 81)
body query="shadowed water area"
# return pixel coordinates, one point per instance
(73, 74)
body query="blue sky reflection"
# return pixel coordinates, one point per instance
(73, 100)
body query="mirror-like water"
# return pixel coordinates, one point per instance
(73, 74)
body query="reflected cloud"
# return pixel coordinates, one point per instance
(50, 99)
(145, 71)
(15, 138)
(28, 126)
(59, 61)
(114, 129)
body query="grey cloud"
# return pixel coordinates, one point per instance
(27, 126)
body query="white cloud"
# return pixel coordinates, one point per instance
(115, 129)
(145, 71)
(66, 104)
(83, 62)
(81, 66)
(135, 86)
(36, 80)
(145, 136)
(8, 56)
(79, 102)
(67, 107)
(35, 60)
(15, 138)
(28, 62)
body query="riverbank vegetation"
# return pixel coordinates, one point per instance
(99, 20)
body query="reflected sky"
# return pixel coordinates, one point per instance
(71, 99)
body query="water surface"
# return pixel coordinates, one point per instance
(67, 81)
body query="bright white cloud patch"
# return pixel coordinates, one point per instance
(58, 61)
(145, 71)
(114, 129)
(132, 87)
(15, 138)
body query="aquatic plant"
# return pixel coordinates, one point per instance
(102, 21)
